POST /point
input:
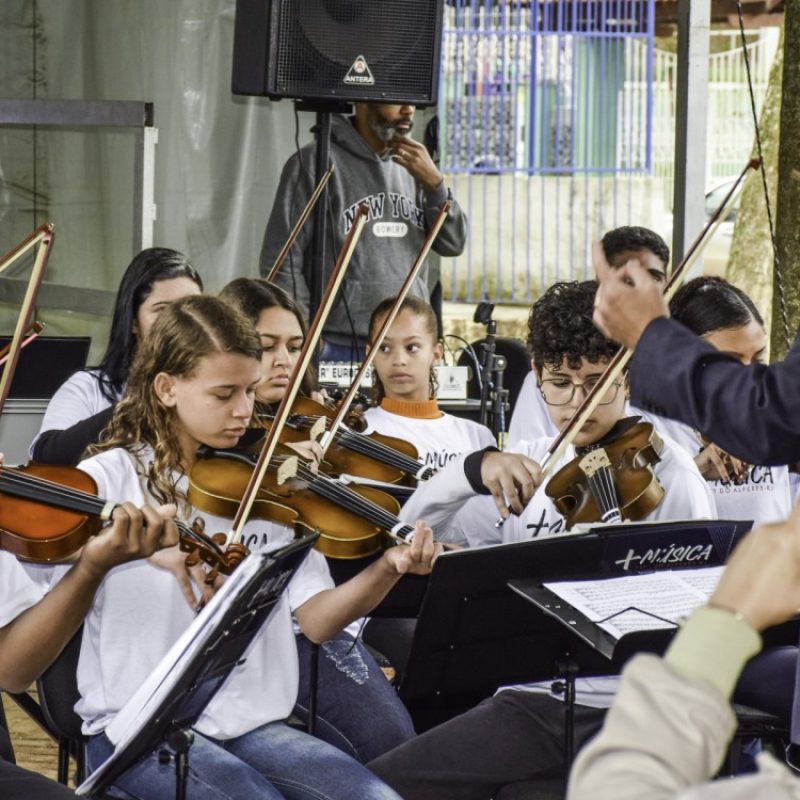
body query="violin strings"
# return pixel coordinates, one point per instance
(14, 476)
(366, 446)
(27, 485)
(603, 488)
(362, 444)
(335, 491)
(331, 490)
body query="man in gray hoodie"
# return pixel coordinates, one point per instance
(377, 163)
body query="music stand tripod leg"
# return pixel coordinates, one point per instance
(313, 689)
(180, 741)
(567, 670)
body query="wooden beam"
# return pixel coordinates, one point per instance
(756, 20)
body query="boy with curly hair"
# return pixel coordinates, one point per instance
(570, 355)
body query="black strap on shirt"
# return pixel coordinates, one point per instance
(67, 446)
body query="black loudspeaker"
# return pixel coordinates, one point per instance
(338, 50)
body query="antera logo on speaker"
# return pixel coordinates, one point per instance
(359, 74)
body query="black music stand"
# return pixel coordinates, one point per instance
(475, 634)
(46, 363)
(193, 680)
(589, 649)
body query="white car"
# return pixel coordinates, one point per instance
(716, 252)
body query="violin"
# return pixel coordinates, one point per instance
(611, 480)
(737, 469)
(374, 456)
(353, 521)
(50, 511)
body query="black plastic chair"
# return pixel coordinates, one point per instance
(755, 724)
(518, 365)
(6, 750)
(58, 693)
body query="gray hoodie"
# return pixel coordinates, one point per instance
(400, 212)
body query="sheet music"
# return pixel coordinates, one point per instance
(636, 602)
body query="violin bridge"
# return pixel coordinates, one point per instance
(594, 461)
(287, 470)
(318, 428)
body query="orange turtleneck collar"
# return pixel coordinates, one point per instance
(416, 409)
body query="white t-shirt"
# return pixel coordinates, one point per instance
(530, 419)
(78, 398)
(139, 612)
(438, 441)
(448, 498)
(18, 591)
(765, 496)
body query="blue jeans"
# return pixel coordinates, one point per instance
(358, 710)
(273, 762)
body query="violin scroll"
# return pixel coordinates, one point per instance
(211, 551)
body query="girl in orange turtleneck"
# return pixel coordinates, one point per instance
(405, 388)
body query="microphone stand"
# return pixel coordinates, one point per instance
(494, 397)
(500, 405)
(483, 315)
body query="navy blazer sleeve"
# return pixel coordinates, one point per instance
(752, 412)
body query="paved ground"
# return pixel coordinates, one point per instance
(33, 748)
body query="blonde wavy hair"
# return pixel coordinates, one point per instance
(185, 332)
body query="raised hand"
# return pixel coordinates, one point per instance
(417, 557)
(414, 157)
(628, 299)
(717, 465)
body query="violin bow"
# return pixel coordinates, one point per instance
(329, 435)
(312, 201)
(623, 355)
(31, 334)
(284, 408)
(44, 235)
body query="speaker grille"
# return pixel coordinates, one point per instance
(319, 41)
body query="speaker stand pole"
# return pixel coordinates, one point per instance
(322, 135)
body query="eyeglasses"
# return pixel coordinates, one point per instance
(560, 391)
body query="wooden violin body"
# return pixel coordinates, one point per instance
(48, 512)
(36, 532)
(351, 521)
(619, 473)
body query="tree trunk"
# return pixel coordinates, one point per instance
(750, 266)
(787, 279)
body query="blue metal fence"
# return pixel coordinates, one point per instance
(547, 88)
(546, 111)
